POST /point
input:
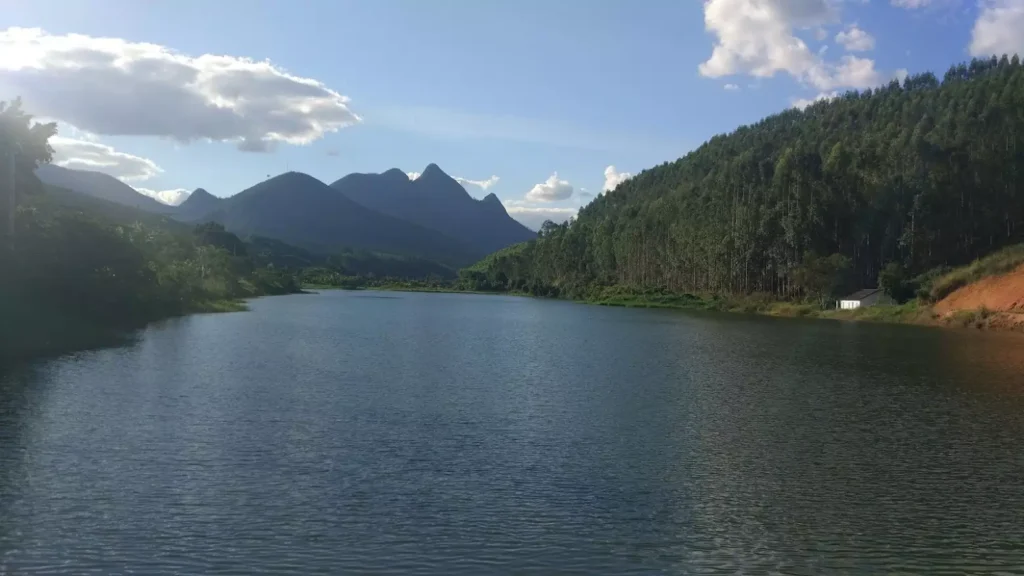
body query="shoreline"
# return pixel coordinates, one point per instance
(62, 336)
(912, 313)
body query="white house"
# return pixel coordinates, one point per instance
(864, 298)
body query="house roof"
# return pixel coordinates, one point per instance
(862, 294)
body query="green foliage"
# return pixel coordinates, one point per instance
(821, 278)
(82, 270)
(1001, 262)
(322, 277)
(923, 173)
(894, 281)
(214, 234)
(355, 262)
(28, 141)
(912, 312)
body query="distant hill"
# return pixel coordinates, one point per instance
(895, 181)
(62, 200)
(197, 206)
(432, 217)
(99, 185)
(437, 201)
(301, 210)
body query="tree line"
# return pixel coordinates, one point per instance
(912, 177)
(73, 270)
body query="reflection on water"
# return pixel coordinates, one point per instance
(454, 434)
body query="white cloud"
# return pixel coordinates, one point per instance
(802, 103)
(115, 87)
(820, 34)
(911, 4)
(901, 74)
(533, 216)
(551, 190)
(485, 184)
(757, 37)
(170, 197)
(998, 29)
(851, 72)
(731, 87)
(89, 155)
(855, 40)
(613, 178)
(98, 157)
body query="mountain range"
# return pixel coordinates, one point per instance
(99, 185)
(436, 201)
(431, 217)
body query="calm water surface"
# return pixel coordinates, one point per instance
(392, 433)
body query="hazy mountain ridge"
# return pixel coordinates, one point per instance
(198, 205)
(431, 217)
(306, 212)
(99, 185)
(437, 201)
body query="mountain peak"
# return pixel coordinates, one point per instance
(199, 193)
(491, 198)
(292, 177)
(396, 174)
(432, 170)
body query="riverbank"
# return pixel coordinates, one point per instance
(413, 288)
(913, 312)
(30, 333)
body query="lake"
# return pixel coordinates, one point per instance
(397, 433)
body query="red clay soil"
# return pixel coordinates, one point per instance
(1003, 293)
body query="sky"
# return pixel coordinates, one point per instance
(545, 104)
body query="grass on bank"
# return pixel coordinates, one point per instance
(1001, 262)
(912, 312)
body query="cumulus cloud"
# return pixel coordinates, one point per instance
(90, 155)
(551, 190)
(170, 197)
(98, 157)
(998, 29)
(484, 184)
(757, 37)
(855, 40)
(613, 178)
(802, 103)
(731, 87)
(111, 86)
(533, 216)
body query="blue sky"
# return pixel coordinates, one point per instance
(519, 90)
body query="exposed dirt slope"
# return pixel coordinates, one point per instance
(1004, 293)
(1001, 297)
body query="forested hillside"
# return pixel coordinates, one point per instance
(78, 270)
(807, 203)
